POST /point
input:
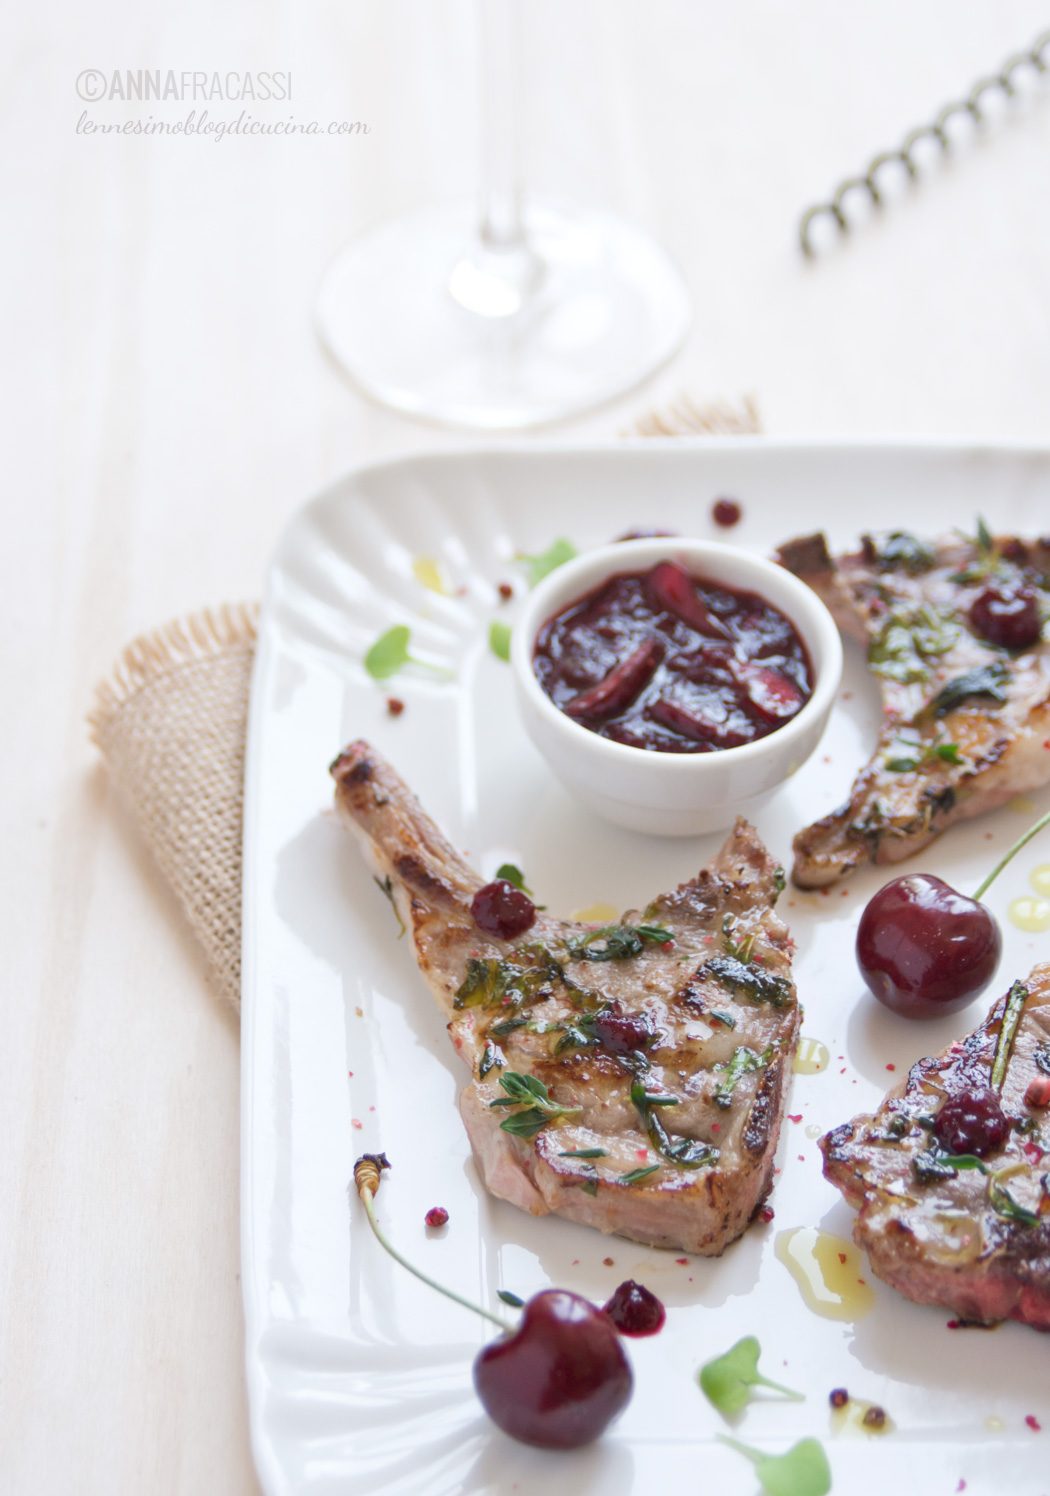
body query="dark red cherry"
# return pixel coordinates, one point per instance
(1007, 615)
(502, 910)
(614, 694)
(560, 1379)
(771, 695)
(673, 589)
(925, 949)
(634, 1310)
(622, 1033)
(972, 1121)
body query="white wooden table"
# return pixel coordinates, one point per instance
(169, 407)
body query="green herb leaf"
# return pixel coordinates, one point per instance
(527, 1091)
(803, 1470)
(779, 879)
(543, 563)
(913, 755)
(903, 552)
(389, 653)
(617, 942)
(686, 1153)
(755, 982)
(499, 639)
(512, 1299)
(986, 680)
(512, 874)
(985, 541)
(386, 886)
(636, 1174)
(510, 984)
(907, 639)
(724, 1018)
(1015, 1001)
(728, 1379)
(742, 1061)
(1004, 1204)
(933, 1164)
(583, 1153)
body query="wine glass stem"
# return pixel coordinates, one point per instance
(502, 224)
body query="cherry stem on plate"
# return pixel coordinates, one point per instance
(366, 1180)
(1022, 841)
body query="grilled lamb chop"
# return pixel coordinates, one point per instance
(632, 1078)
(966, 720)
(951, 1185)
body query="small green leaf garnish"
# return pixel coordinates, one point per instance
(511, 874)
(986, 680)
(985, 542)
(686, 1153)
(543, 563)
(1015, 1002)
(907, 639)
(742, 1062)
(527, 1091)
(1004, 1204)
(583, 1153)
(914, 755)
(389, 654)
(904, 552)
(499, 639)
(507, 1026)
(803, 1470)
(386, 886)
(753, 981)
(513, 1299)
(617, 942)
(724, 1018)
(727, 1380)
(510, 984)
(933, 1164)
(779, 879)
(636, 1174)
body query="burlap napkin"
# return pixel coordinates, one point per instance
(171, 723)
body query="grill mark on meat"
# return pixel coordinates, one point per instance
(556, 995)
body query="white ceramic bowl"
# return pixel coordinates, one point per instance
(676, 794)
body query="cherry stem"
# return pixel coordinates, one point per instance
(367, 1200)
(1022, 841)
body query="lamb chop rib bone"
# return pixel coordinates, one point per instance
(713, 1031)
(1003, 746)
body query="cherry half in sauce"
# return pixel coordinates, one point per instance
(635, 1309)
(502, 910)
(925, 949)
(972, 1121)
(667, 661)
(560, 1379)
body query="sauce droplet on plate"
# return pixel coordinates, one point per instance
(1030, 914)
(860, 1417)
(811, 1057)
(428, 574)
(596, 914)
(830, 1272)
(635, 1310)
(1040, 879)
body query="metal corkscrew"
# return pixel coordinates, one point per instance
(1037, 56)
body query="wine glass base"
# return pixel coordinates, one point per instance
(424, 321)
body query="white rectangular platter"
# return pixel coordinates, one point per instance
(359, 1377)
